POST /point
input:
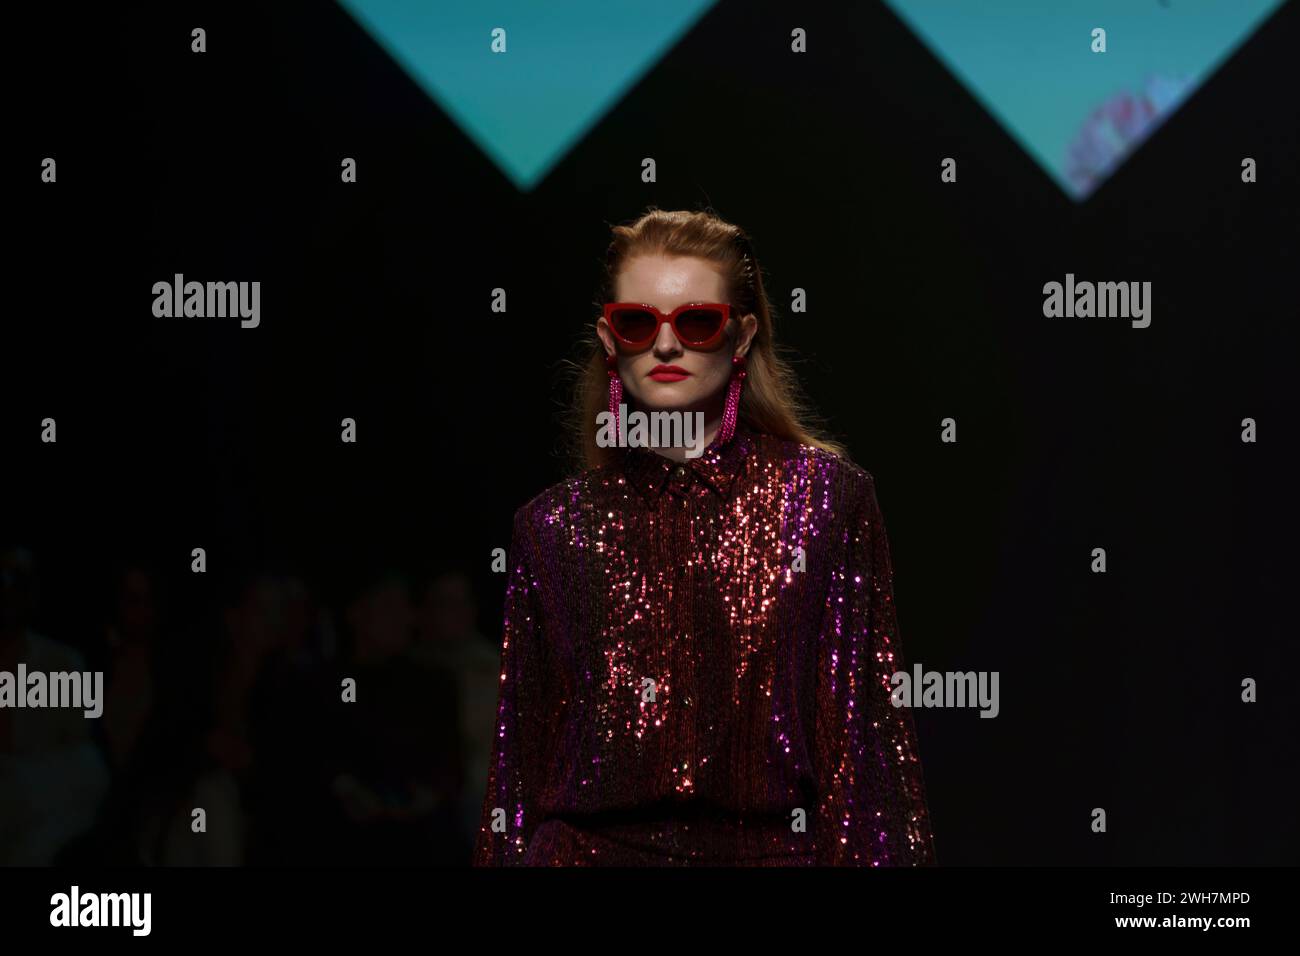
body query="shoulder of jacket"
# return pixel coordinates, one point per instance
(841, 470)
(572, 488)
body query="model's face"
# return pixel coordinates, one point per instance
(699, 378)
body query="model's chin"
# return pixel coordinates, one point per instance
(667, 396)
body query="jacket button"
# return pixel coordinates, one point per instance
(681, 471)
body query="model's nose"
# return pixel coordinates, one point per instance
(666, 342)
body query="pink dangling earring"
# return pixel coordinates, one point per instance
(732, 408)
(615, 388)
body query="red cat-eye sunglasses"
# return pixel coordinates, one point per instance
(697, 325)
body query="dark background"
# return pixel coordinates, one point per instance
(1118, 691)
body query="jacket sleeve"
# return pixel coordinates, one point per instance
(871, 798)
(510, 806)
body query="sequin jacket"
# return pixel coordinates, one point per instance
(695, 670)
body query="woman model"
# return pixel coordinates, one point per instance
(697, 650)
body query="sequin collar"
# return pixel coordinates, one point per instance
(717, 467)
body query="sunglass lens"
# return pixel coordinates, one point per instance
(635, 325)
(699, 325)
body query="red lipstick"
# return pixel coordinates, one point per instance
(668, 373)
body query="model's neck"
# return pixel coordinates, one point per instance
(712, 422)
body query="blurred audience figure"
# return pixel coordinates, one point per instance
(251, 619)
(294, 717)
(399, 773)
(447, 638)
(52, 775)
(129, 639)
(235, 715)
(193, 753)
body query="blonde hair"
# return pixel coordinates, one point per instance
(771, 401)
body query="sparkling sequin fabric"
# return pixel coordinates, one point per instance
(695, 670)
